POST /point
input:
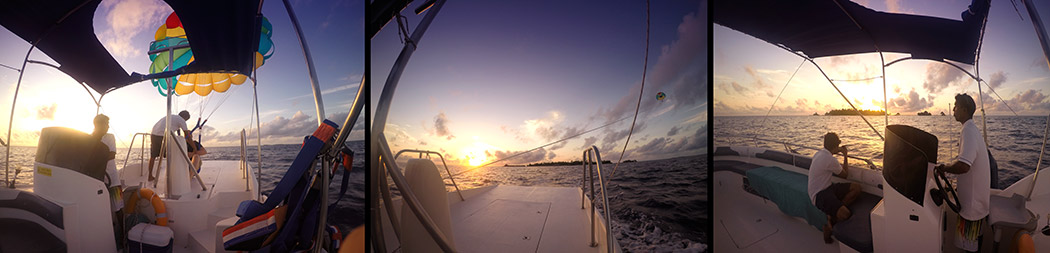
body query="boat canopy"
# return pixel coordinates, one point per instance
(820, 28)
(224, 35)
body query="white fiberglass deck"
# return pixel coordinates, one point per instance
(517, 219)
(748, 223)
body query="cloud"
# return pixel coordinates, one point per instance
(530, 157)
(738, 88)
(940, 76)
(441, 126)
(544, 128)
(46, 112)
(613, 138)
(679, 68)
(910, 102)
(662, 146)
(673, 131)
(588, 142)
(1026, 102)
(127, 19)
(567, 133)
(998, 78)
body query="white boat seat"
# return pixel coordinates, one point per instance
(425, 181)
(1010, 212)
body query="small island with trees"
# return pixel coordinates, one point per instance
(851, 112)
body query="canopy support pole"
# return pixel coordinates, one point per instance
(11, 121)
(379, 124)
(1040, 32)
(309, 63)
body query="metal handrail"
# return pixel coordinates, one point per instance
(589, 153)
(871, 164)
(142, 149)
(428, 152)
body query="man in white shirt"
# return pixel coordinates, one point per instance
(832, 199)
(974, 177)
(157, 136)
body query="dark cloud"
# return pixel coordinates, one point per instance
(673, 131)
(738, 88)
(568, 132)
(997, 79)
(441, 126)
(588, 142)
(940, 76)
(1027, 102)
(663, 146)
(910, 102)
(46, 112)
(611, 138)
(530, 157)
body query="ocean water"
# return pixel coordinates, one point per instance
(658, 206)
(349, 213)
(1014, 141)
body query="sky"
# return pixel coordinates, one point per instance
(334, 32)
(493, 78)
(749, 73)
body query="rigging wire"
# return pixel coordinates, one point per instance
(641, 90)
(537, 148)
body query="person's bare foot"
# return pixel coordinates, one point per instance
(827, 233)
(843, 213)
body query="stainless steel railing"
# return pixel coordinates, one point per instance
(428, 152)
(787, 145)
(142, 151)
(592, 155)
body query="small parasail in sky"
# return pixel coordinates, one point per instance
(660, 96)
(171, 34)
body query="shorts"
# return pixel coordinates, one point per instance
(968, 234)
(830, 199)
(156, 141)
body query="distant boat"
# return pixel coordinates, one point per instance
(926, 113)
(942, 114)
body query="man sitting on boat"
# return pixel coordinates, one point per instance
(157, 136)
(974, 177)
(832, 199)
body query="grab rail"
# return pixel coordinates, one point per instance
(142, 150)
(588, 172)
(186, 156)
(244, 161)
(428, 152)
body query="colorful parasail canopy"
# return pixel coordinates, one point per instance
(172, 34)
(660, 96)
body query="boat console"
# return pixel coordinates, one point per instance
(908, 219)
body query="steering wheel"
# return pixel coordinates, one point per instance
(939, 177)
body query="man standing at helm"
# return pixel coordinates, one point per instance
(974, 177)
(157, 136)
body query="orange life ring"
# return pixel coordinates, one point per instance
(1023, 243)
(158, 205)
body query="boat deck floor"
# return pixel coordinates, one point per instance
(516, 219)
